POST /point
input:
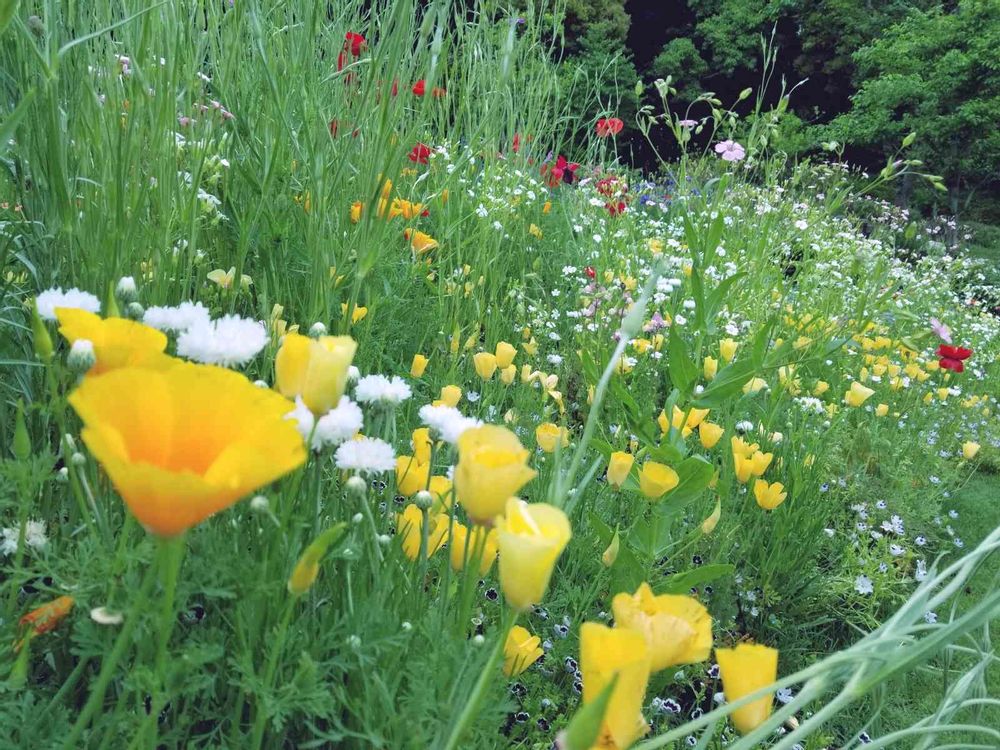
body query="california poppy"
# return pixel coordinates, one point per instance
(952, 357)
(419, 154)
(609, 126)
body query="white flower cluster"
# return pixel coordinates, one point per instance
(50, 299)
(34, 537)
(341, 423)
(447, 422)
(230, 341)
(177, 318)
(378, 389)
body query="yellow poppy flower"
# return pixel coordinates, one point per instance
(410, 524)
(548, 435)
(411, 475)
(604, 653)
(656, 479)
(857, 394)
(709, 434)
(183, 443)
(485, 364)
(117, 342)
(505, 354)
(531, 538)
(314, 369)
(619, 467)
(491, 469)
(744, 670)
(769, 496)
(520, 651)
(419, 365)
(677, 629)
(463, 547)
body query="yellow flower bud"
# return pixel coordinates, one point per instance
(307, 567)
(419, 365)
(531, 539)
(491, 469)
(314, 369)
(656, 479)
(881, 410)
(744, 670)
(677, 629)
(609, 555)
(710, 368)
(520, 651)
(709, 524)
(727, 349)
(451, 395)
(619, 467)
(508, 374)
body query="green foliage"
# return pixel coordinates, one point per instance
(935, 73)
(681, 60)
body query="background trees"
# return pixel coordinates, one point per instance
(876, 71)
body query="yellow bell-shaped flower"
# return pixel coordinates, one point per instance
(619, 467)
(491, 469)
(656, 479)
(314, 369)
(744, 670)
(604, 653)
(531, 539)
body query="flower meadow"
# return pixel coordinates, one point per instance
(358, 394)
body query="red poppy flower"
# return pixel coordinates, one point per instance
(418, 87)
(419, 154)
(609, 126)
(355, 43)
(562, 171)
(517, 143)
(591, 273)
(952, 357)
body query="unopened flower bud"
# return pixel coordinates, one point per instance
(78, 459)
(317, 330)
(260, 504)
(62, 475)
(135, 310)
(81, 356)
(384, 539)
(357, 488)
(357, 518)
(126, 288)
(261, 384)
(478, 640)
(423, 500)
(40, 337)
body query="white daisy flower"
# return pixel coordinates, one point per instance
(178, 318)
(379, 389)
(447, 422)
(228, 341)
(367, 455)
(50, 299)
(339, 424)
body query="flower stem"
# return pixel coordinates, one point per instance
(486, 678)
(122, 643)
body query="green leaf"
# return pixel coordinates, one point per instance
(681, 583)
(680, 366)
(695, 473)
(726, 384)
(582, 730)
(7, 8)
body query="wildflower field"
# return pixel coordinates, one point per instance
(356, 392)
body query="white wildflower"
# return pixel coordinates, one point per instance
(228, 341)
(50, 299)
